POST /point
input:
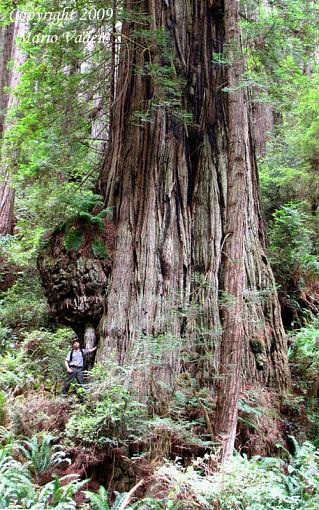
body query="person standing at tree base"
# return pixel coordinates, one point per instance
(74, 364)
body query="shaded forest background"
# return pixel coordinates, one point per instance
(59, 119)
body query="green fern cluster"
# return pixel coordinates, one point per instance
(74, 231)
(17, 479)
(18, 489)
(99, 500)
(75, 228)
(40, 454)
(74, 235)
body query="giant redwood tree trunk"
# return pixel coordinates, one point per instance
(191, 289)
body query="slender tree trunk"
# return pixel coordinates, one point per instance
(6, 207)
(6, 47)
(90, 341)
(6, 192)
(262, 113)
(233, 272)
(189, 229)
(9, 77)
(263, 122)
(113, 64)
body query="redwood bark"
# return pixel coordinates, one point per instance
(6, 192)
(6, 47)
(263, 121)
(239, 165)
(6, 208)
(180, 215)
(9, 78)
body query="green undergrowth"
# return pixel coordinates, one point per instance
(23, 305)
(242, 483)
(294, 255)
(304, 362)
(289, 483)
(109, 415)
(304, 353)
(23, 462)
(35, 360)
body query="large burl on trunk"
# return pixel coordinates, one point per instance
(191, 288)
(75, 280)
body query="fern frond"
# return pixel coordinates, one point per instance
(99, 500)
(99, 249)
(105, 212)
(119, 500)
(73, 238)
(84, 215)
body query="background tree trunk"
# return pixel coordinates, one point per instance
(6, 207)
(6, 47)
(9, 77)
(168, 183)
(263, 121)
(6, 192)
